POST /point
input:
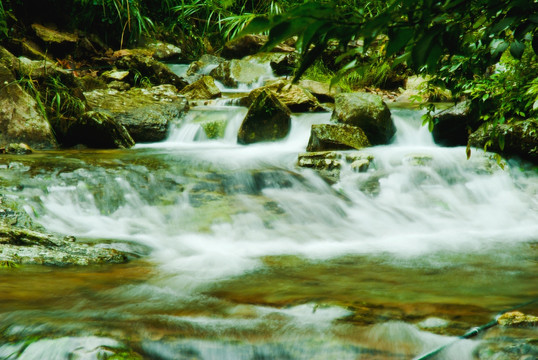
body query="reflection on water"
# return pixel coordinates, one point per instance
(247, 256)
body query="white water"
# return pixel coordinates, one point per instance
(418, 206)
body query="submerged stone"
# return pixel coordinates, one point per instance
(267, 119)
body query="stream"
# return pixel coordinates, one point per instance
(237, 253)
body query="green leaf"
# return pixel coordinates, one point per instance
(535, 43)
(256, 26)
(433, 57)
(501, 25)
(421, 50)
(398, 39)
(516, 49)
(501, 142)
(498, 47)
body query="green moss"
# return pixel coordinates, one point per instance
(214, 129)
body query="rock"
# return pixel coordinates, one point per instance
(145, 113)
(8, 59)
(322, 91)
(16, 149)
(164, 51)
(117, 75)
(204, 88)
(326, 163)
(453, 125)
(56, 42)
(294, 97)
(145, 66)
(94, 129)
(21, 119)
(520, 139)
(267, 119)
(249, 45)
(151, 123)
(324, 137)
(119, 85)
(23, 246)
(367, 111)
(284, 64)
(41, 70)
(517, 319)
(233, 72)
(204, 65)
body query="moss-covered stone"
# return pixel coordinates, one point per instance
(520, 139)
(324, 137)
(95, 129)
(268, 119)
(204, 88)
(367, 111)
(214, 129)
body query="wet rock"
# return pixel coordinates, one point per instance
(118, 75)
(8, 59)
(119, 85)
(326, 163)
(204, 65)
(324, 137)
(322, 91)
(284, 64)
(145, 113)
(23, 246)
(145, 66)
(294, 97)
(16, 149)
(268, 119)
(249, 45)
(233, 72)
(21, 120)
(204, 88)
(164, 51)
(95, 129)
(517, 319)
(453, 125)
(367, 111)
(520, 139)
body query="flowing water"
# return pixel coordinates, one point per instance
(239, 254)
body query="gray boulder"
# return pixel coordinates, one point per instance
(268, 119)
(145, 113)
(324, 137)
(21, 119)
(322, 91)
(204, 88)
(367, 111)
(520, 139)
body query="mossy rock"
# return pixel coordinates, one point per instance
(367, 111)
(268, 119)
(95, 129)
(325, 137)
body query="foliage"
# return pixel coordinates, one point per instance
(456, 42)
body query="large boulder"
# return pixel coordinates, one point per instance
(322, 91)
(296, 98)
(249, 45)
(367, 111)
(268, 119)
(451, 127)
(164, 51)
(21, 119)
(520, 139)
(325, 137)
(204, 88)
(145, 113)
(95, 129)
(234, 72)
(143, 65)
